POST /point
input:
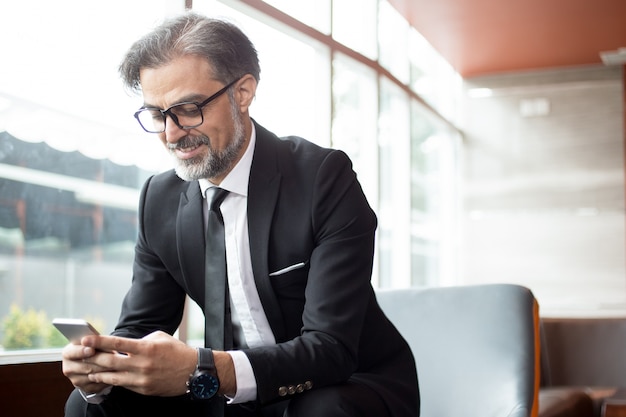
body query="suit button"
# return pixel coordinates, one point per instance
(308, 385)
(300, 388)
(282, 391)
(291, 390)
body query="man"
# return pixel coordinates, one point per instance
(309, 338)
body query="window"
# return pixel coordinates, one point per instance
(355, 109)
(293, 97)
(434, 206)
(315, 13)
(432, 78)
(354, 25)
(354, 125)
(393, 40)
(73, 159)
(394, 163)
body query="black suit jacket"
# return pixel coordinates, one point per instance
(304, 205)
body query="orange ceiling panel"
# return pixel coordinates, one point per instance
(493, 36)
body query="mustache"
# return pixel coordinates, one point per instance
(189, 142)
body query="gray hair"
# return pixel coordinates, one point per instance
(227, 49)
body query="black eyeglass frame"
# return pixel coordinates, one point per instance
(166, 112)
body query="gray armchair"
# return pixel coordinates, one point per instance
(476, 348)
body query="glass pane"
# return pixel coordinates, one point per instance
(434, 176)
(394, 160)
(72, 159)
(314, 13)
(354, 25)
(393, 39)
(355, 112)
(432, 78)
(293, 97)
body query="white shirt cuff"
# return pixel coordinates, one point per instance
(246, 383)
(96, 397)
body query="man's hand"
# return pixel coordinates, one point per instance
(158, 364)
(77, 369)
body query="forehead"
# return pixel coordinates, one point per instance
(179, 78)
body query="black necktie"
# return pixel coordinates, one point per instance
(218, 324)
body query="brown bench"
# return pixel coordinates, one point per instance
(33, 390)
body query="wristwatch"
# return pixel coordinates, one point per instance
(203, 384)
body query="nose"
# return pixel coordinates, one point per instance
(173, 133)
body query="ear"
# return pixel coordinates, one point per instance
(245, 89)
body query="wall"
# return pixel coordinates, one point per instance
(543, 170)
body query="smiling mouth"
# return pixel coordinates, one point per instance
(188, 144)
(187, 149)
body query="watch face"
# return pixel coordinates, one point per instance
(204, 386)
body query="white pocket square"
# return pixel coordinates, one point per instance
(289, 268)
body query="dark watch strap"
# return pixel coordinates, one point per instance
(205, 360)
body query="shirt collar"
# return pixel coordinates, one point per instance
(237, 179)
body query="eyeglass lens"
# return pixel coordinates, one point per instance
(185, 115)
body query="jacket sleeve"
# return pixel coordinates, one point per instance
(154, 301)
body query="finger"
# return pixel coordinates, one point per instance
(112, 344)
(106, 361)
(93, 388)
(123, 379)
(77, 352)
(126, 380)
(83, 382)
(78, 373)
(87, 365)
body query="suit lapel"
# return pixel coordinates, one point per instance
(262, 196)
(190, 240)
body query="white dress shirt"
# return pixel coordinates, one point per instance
(246, 303)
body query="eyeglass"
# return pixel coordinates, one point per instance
(186, 115)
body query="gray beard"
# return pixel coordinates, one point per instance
(215, 163)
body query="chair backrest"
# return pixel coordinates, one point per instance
(476, 347)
